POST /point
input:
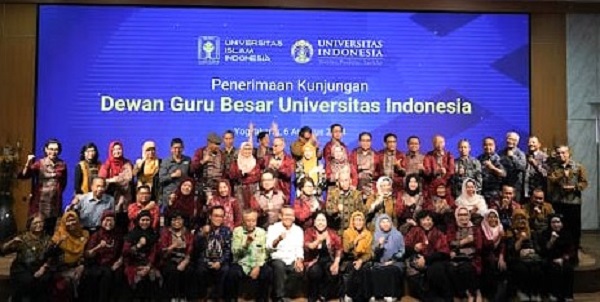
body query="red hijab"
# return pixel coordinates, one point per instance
(185, 204)
(113, 166)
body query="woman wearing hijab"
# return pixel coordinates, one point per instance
(306, 204)
(558, 251)
(29, 274)
(427, 254)
(233, 213)
(388, 268)
(146, 169)
(338, 164)
(357, 253)
(525, 263)
(184, 202)
(118, 172)
(410, 203)
(176, 244)
(383, 202)
(322, 255)
(87, 169)
(469, 198)
(104, 264)
(465, 255)
(441, 203)
(245, 174)
(140, 258)
(308, 166)
(493, 255)
(69, 241)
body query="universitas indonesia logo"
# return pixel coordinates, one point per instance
(302, 51)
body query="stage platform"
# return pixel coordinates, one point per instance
(587, 275)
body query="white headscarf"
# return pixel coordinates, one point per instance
(245, 164)
(471, 201)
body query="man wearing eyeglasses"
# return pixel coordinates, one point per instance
(538, 210)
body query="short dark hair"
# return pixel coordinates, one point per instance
(176, 140)
(336, 125)
(87, 146)
(229, 131)
(490, 138)
(304, 130)
(388, 135)
(411, 137)
(365, 133)
(213, 208)
(147, 187)
(304, 180)
(262, 135)
(54, 141)
(269, 171)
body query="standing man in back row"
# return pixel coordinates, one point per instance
(173, 170)
(568, 179)
(208, 166)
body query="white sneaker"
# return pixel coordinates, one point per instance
(389, 299)
(522, 296)
(347, 299)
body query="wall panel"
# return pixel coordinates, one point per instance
(17, 78)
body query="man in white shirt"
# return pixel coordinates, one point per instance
(285, 241)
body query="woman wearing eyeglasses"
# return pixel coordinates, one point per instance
(50, 180)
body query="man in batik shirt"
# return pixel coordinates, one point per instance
(208, 166)
(229, 150)
(438, 164)
(492, 171)
(414, 157)
(568, 179)
(283, 165)
(514, 161)
(342, 202)
(337, 131)
(465, 166)
(536, 172)
(392, 162)
(365, 161)
(249, 248)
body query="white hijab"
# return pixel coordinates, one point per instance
(245, 164)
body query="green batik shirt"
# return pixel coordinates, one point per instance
(253, 255)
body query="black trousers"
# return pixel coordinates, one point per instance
(355, 282)
(464, 277)
(527, 276)
(320, 280)
(101, 283)
(177, 284)
(25, 287)
(280, 276)
(260, 285)
(572, 220)
(387, 281)
(561, 278)
(204, 275)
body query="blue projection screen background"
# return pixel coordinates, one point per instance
(133, 74)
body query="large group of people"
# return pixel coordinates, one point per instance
(350, 224)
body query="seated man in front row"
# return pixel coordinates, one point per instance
(249, 248)
(285, 240)
(91, 205)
